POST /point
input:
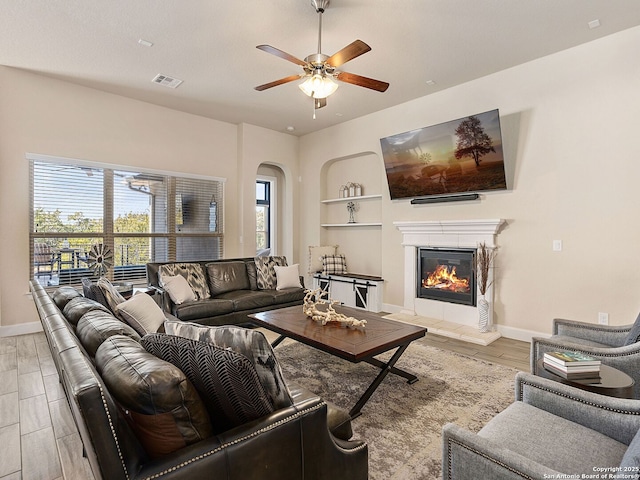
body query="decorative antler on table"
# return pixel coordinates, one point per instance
(309, 308)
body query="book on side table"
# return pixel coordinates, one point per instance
(572, 365)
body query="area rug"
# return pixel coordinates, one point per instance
(402, 423)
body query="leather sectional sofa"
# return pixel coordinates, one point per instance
(308, 439)
(232, 289)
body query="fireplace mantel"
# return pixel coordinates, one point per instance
(450, 233)
(444, 233)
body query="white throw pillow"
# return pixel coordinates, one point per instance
(178, 289)
(142, 313)
(287, 277)
(315, 256)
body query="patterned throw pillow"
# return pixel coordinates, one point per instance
(111, 295)
(250, 343)
(267, 273)
(193, 272)
(226, 380)
(334, 264)
(315, 256)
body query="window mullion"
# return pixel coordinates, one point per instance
(107, 224)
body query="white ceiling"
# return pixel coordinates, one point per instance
(210, 45)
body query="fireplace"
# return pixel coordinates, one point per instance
(442, 235)
(447, 275)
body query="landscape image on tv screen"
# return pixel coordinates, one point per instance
(458, 156)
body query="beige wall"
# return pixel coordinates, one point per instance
(569, 126)
(46, 116)
(569, 129)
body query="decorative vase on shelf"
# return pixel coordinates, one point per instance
(484, 324)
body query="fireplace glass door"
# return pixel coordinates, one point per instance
(447, 275)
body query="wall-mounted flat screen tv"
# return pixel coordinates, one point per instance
(459, 156)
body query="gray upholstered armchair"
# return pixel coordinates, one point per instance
(552, 430)
(616, 346)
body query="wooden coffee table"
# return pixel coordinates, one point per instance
(353, 344)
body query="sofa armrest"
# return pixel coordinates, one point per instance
(289, 444)
(165, 300)
(467, 456)
(618, 418)
(607, 334)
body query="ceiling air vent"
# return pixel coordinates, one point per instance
(166, 81)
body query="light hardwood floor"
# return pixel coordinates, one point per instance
(38, 438)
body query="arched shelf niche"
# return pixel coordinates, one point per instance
(366, 170)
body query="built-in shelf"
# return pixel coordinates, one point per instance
(351, 199)
(357, 224)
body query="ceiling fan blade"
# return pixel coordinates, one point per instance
(319, 102)
(291, 78)
(362, 81)
(351, 51)
(279, 53)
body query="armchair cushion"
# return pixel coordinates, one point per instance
(631, 458)
(634, 333)
(226, 380)
(552, 441)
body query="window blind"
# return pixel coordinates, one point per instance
(88, 220)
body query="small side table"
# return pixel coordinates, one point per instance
(613, 382)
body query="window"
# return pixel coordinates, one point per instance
(263, 215)
(88, 220)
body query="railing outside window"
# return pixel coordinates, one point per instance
(90, 220)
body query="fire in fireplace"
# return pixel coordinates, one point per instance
(447, 275)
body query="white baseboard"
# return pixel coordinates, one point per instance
(22, 329)
(505, 331)
(519, 333)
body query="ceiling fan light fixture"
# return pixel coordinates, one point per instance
(318, 86)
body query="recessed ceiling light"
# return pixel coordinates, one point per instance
(430, 82)
(338, 114)
(290, 128)
(145, 43)
(594, 24)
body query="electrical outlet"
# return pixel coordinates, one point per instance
(603, 318)
(557, 245)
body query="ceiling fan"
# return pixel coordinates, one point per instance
(320, 70)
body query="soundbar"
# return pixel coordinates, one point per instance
(445, 198)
